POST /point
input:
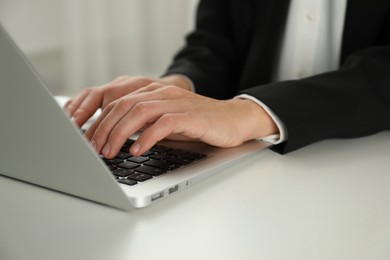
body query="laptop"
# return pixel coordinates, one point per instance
(40, 145)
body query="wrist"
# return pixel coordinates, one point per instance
(255, 121)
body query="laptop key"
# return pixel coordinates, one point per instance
(138, 159)
(139, 176)
(159, 156)
(150, 170)
(112, 161)
(128, 181)
(179, 161)
(160, 149)
(158, 160)
(120, 172)
(147, 154)
(162, 165)
(112, 167)
(128, 165)
(122, 155)
(125, 149)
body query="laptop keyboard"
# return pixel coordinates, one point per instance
(158, 160)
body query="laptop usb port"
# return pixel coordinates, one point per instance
(173, 189)
(157, 196)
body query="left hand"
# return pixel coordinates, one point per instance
(170, 111)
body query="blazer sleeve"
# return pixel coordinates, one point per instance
(209, 50)
(351, 102)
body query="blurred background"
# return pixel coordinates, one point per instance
(79, 43)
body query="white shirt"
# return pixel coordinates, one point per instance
(312, 39)
(311, 45)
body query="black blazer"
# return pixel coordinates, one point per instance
(234, 47)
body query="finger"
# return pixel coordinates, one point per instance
(83, 106)
(74, 103)
(142, 114)
(89, 105)
(67, 103)
(115, 89)
(103, 104)
(92, 128)
(101, 129)
(115, 111)
(166, 125)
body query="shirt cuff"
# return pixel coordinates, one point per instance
(273, 139)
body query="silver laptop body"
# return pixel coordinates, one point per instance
(40, 145)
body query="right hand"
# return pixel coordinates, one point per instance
(171, 112)
(86, 103)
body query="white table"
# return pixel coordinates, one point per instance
(330, 200)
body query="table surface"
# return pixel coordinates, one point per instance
(330, 200)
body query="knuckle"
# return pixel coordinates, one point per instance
(154, 85)
(141, 108)
(110, 106)
(122, 104)
(139, 81)
(167, 120)
(174, 90)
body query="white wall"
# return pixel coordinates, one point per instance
(79, 43)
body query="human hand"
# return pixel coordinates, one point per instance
(169, 111)
(86, 103)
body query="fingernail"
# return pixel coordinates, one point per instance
(106, 149)
(135, 148)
